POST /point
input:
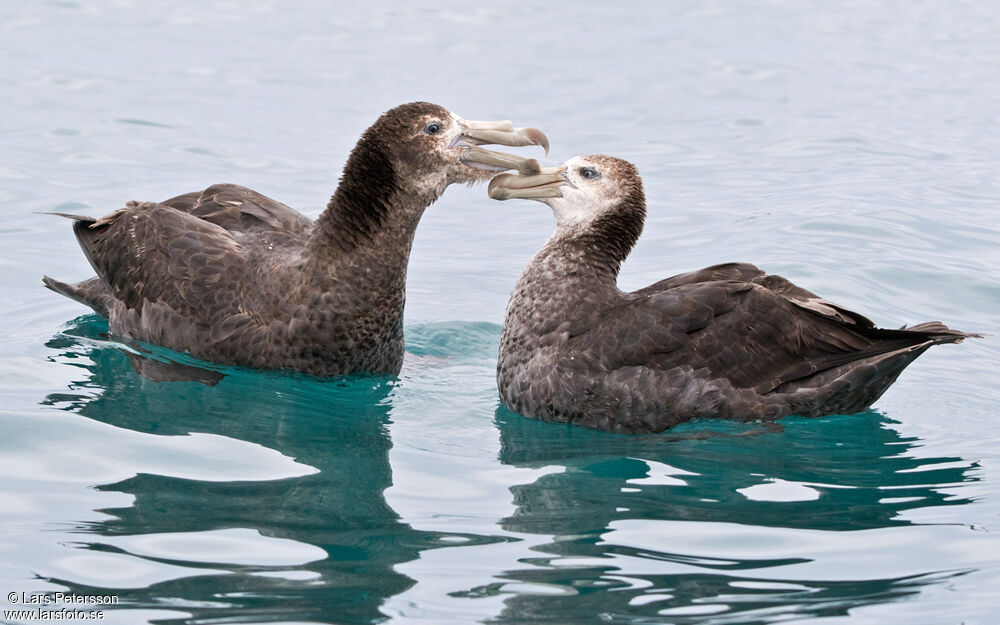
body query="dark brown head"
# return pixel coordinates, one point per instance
(596, 198)
(429, 147)
(407, 158)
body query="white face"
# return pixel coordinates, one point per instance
(587, 193)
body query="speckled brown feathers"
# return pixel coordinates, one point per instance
(726, 341)
(229, 275)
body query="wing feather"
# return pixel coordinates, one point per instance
(152, 253)
(239, 209)
(745, 332)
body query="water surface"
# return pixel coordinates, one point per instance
(850, 148)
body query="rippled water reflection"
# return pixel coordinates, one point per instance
(273, 506)
(849, 148)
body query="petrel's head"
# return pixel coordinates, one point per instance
(593, 195)
(429, 147)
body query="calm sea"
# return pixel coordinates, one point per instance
(851, 147)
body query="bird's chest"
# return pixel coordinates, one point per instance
(352, 327)
(541, 317)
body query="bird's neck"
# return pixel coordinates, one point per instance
(372, 210)
(585, 256)
(372, 214)
(359, 271)
(577, 254)
(352, 237)
(360, 245)
(565, 274)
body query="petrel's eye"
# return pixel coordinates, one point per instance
(433, 128)
(589, 173)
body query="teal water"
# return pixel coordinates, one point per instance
(850, 148)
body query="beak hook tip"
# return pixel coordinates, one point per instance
(537, 137)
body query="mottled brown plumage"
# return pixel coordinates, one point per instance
(229, 275)
(725, 341)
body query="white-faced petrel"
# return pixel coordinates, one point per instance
(725, 341)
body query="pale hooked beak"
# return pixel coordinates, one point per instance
(503, 133)
(542, 185)
(475, 134)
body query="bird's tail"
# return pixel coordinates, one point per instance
(854, 385)
(92, 292)
(938, 333)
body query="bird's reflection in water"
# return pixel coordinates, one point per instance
(635, 528)
(339, 428)
(649, 527)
